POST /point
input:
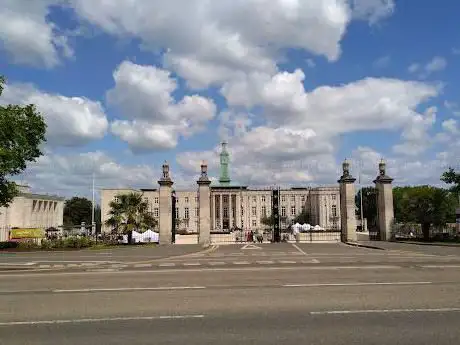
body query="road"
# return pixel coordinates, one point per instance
(393, 296)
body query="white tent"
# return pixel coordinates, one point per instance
(317, 227)
(306, 227)
(150, 236)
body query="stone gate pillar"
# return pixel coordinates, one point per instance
(385, 212)
(347, 204)
(204, 207)
(165, 221)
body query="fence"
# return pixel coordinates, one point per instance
(413, 231)
(4, 233)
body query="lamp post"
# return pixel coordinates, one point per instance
(173, 214)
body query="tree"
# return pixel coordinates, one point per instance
(369, 204)
(452, 177)
(77, 210)
(130, 212)
(22, 131)
(270, 220)
(425, 205)
(303, 218)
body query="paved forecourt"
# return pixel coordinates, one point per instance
(265, 255)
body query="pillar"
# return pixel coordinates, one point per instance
(165, 208)
(385, 212)
(347, 204)
(204, 196)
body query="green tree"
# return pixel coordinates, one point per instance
(270, 220)
(425, 205)
(453, 178)
(22, 131)
(369, 205)
(303, 218)
(130, 212)
(77, 210)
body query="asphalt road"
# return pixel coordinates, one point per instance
(328, 302)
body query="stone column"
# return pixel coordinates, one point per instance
(204, 196)
(166, 211)
(347, 204)
(385, 211)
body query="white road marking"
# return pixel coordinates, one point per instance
(142, 265)
(287, 262)
(167, 264)
(209, 269)
(109, 319)
(58, 266)
(356, 284)
(298, 249)
(241, 262)
(102, 270)
(119, 266)
(236, 254)
(312, 261)
(338, 312)
(267, 262)
(191, 264)
(440, 266)
(216, 263)
(250, 246)
(157, 288)
(44, 266)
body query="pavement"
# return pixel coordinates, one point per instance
(262, 294)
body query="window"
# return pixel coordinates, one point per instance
(186, 213)
(303, 198)
(116, 199)
(177, 212)
(263, 198)
(146, 199)
(303, 208)
(225, 199)
(292, 210)
(197, 212)
(242, 210)
(157, 200)
(254, 199)
(254, 211)
(264, 211)
(334, 211)
(283, 211)
(254, 222)
(186, 223)
(283, 198)
(196, 199)
(156, 212)
(55, 205)
(34, 205)
(177, 199)
(186, 199)
(334, 196)
(293, 198)
(225, 212)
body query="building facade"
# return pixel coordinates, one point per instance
(236, 206)
(29, 210)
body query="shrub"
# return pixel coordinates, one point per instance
(27, 245)
(8, 245)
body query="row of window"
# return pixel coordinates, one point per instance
(156, 212)
(264, 211)
(42, 205)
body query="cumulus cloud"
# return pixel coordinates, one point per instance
(71, 121)
(153, 118)
(436, 64)
(235, 36)
(28, 36)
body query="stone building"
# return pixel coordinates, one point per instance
(29, 210)
(233, 205)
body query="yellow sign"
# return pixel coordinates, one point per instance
(27, 233)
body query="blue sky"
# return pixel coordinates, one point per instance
(294, 91)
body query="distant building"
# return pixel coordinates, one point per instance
(239, 206)
(29, 210)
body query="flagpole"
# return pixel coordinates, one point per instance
(93, 228)
(361, 197)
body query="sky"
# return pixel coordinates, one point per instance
(293, 86)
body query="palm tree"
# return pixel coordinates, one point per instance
(130, 212)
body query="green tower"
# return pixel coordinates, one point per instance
(224, 178)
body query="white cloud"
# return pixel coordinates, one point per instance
(373, 10)
(453, 107)
(436, 64)
(71, 120)
(451, 126)
(234, 36)
(28, 37)
(382, 62)
(143, 94)
(367, 104)
(311, 63)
